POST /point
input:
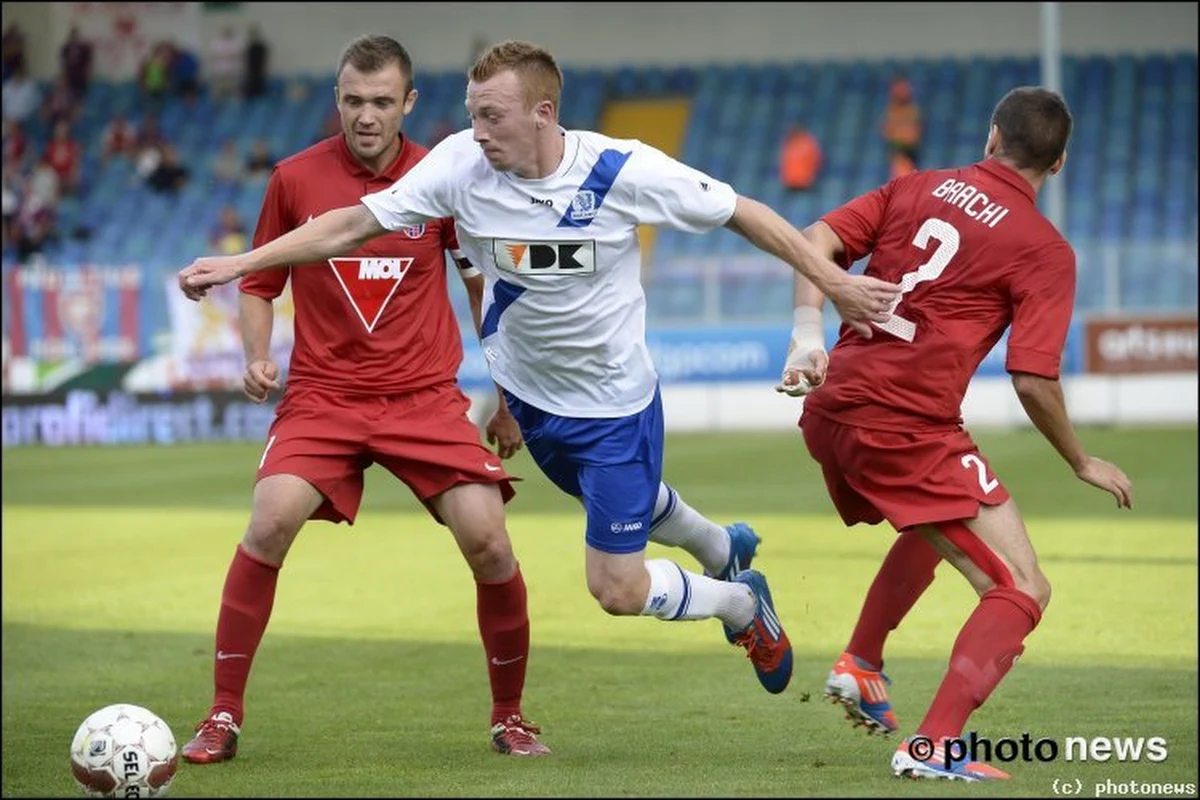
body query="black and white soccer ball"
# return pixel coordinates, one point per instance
(124, 750)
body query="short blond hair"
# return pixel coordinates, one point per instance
(533, 65)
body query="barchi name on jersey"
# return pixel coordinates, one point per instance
(576, 257)
(369, 284)
(974, 203)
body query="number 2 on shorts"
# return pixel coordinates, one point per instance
(984, 483)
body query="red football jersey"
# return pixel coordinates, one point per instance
(973, 255)
(379, 320)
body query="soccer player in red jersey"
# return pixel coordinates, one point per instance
(372, 380)
(973, 256)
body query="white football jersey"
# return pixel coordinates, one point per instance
(564, 315)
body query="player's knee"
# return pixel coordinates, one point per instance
(1039, 589)
(490, 556)
(615, 598)
(270, 536)
(1033, 582)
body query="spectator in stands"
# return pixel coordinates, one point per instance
(184, 73)
(41, 190)
(260, 162)
(21, 96)
(229, 235)
(60, 105)
(120, 138)
(11, 203)
(225, 63)
(154, 75)
(148, 150)
(902, 128)
(15, 144)
(34, 232)
(227, 165)
(65, 155)
(170, 175)
(257, 55)
(800, 159)
(34, 227)
(13, 49)
(75, 59)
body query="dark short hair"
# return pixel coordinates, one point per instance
(373, 53)
(1034, 125)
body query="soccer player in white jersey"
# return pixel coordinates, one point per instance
(550, 217)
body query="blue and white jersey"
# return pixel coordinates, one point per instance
(564, 315)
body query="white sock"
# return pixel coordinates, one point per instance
(679, 595)
(676, 524)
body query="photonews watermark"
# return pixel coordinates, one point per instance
(1071, 787)
(1026, 748)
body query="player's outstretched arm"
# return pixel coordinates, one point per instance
(859, 299)
(1042, 399)
(334, 233)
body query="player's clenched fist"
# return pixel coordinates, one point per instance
(204, 273)
(803, 372)
(260, 378)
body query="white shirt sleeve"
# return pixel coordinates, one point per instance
(424, 192)
(668, 192)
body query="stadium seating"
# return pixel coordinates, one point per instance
(1131, 180)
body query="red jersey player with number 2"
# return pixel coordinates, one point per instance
(973, 256)
(372, 379)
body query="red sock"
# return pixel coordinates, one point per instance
(984, 652)
(905, 574)
(504, 628)
(245, 609)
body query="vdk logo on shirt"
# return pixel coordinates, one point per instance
(369, 283)
(545, 258)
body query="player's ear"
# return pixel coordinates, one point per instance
(1057, 166)
(545, 113)
(993, 142)
(409, 101)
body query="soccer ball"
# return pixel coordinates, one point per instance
(124, 750)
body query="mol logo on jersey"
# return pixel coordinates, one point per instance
(369, 283)
(545, 258)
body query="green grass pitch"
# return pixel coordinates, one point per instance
(371, 680)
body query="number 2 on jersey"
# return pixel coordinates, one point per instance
(947, 237)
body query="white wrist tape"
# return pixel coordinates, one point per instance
(808, 333)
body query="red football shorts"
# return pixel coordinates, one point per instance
(424, 438)
(906, 478)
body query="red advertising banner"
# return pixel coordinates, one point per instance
(1130, 345)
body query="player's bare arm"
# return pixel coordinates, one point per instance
(859, 299)
(1042, 399)
(334, 233)
(502, 429)
(256, 318)
(807, 360)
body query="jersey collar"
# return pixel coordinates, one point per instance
(392, 173)
(1009, 176)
